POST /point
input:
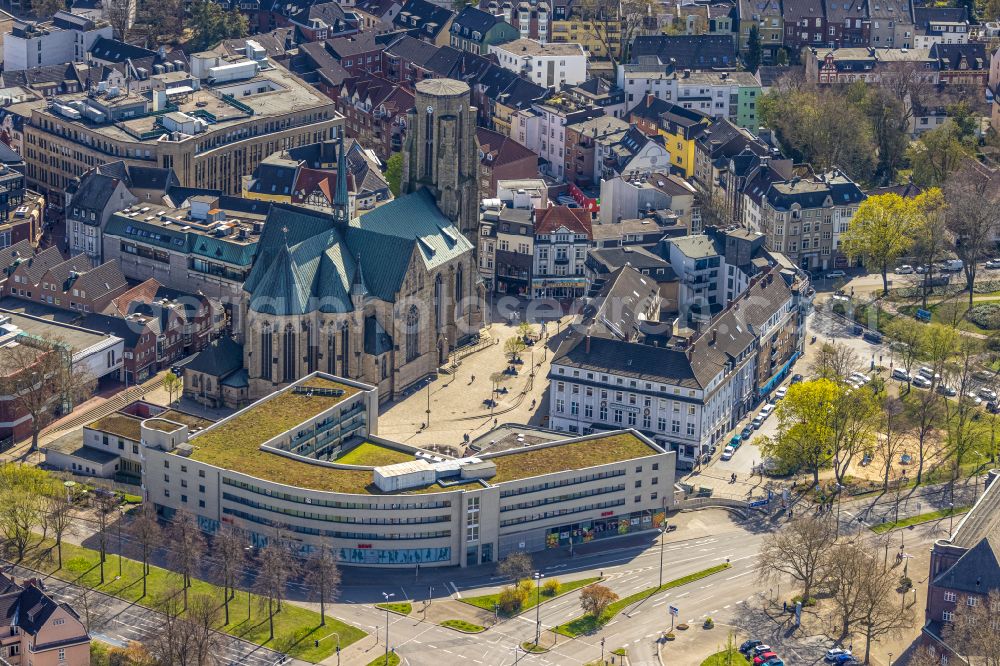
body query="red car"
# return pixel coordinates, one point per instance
(763, 658)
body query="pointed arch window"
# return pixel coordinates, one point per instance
(412, 334)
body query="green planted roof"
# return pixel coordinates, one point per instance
(561, 457)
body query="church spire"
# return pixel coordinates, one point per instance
(341, 201)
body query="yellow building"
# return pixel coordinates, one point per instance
(678, 126)
(596, 37)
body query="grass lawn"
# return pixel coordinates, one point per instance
(579, 455)
(528, 646)
(401, 607)
(621, 652)
(586, 624)
(725, 658)
(295, 628)
(919, 518)
(369, 454)
(393, 660)
(489, 601)
(947, 311)
(462, 625)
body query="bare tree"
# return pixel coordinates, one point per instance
(106, 505)
(41, 380)
(853, 424)
(145, 530)
(188, 545)
(844, 565)
(614, 26)
(323, 575)
(172, 642)
(973, 194)
(274, 568)
(516, 566)
(201, 624)
(835, 361)
(891, 436)
(594, 599)
(880, 609)
(931, 236)
(924, 414)
(58, 517)
(121, 16)
(230, 546)
(975, 628)
(798, 551)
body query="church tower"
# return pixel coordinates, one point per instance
(440, 151)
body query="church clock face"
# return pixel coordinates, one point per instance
(430, 109)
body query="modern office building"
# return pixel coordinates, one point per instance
(307, 461)
(212, 126)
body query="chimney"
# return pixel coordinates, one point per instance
(586, 344)
(649, 99)
(715, 334)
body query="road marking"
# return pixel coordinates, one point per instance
(433, 647)
(683, 595)
(726, 606)
(740, 574)
(457, 593)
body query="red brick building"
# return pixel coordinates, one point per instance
(374, 111)
(67, 284)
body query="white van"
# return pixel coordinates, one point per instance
(766, 410)
(953, 265)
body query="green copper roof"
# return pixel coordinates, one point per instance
(308, 262)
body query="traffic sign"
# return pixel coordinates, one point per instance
(760, 502)
(674, 610)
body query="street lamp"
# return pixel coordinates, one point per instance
(121, 517)
(840, 494)
(663, 534)
(951, 519)
(247, 550)
(890, 659)
(387, 595)
(538, 591)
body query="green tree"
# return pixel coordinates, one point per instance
(906, 340)
(394, 173)
(755, 50)
(805, 427)
(880, 232)
(164, 20)
(212, 24)
(973, 194)
(936, 154)
(172, 384)
(781, 58)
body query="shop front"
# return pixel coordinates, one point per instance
(559, 287)
(606, 526)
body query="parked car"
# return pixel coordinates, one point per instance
(727, 453)
(924, 371)
(873, 337)
(835, 652)
(746, 432)
(836, 275)
(900, 374)
(758, 421)
(764, 657)
(775, 661)
(859, 377)
(976, 400)
(993, 407)
(988, 394)
(921, 269)
(766, 410)
(921, 382)
(761, 649)
(796, 379)
(905, 269)
(780, 393)
(993, 264)
(944, 389)
(746, 646)
(736, 442)
(858, 329)
(844, 659)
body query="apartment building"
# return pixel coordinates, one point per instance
(212, 126)
(684, 389)
(66, 38)
(532, 18)
(72, 284)
(501, 159)
(770, 22)
(730, 95)
(542, 128)
(22, 212)
(892, 24)
(39, 631)
(426, 21)
(659, 192)
(506, 249)
(582, 165)
(391, 504)
(477, 31)
(549, 65)
(804, 218)
(562, 237)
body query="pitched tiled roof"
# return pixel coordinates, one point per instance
(951, 56)
(10, 255)
(349, 45)
(412, 50)
(430, 19)
(839, 10)
(576, 220)
(977, 571)
(472, 19)
(144, 292)
(34, 267)
(114, 50)
(796, 10)
(687, 51)
(499, 149)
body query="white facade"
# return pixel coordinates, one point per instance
(942, 33)
(647, 159)
(545, 64)
(47, 44)
(558, 263)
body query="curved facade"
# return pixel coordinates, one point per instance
(307, 462)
